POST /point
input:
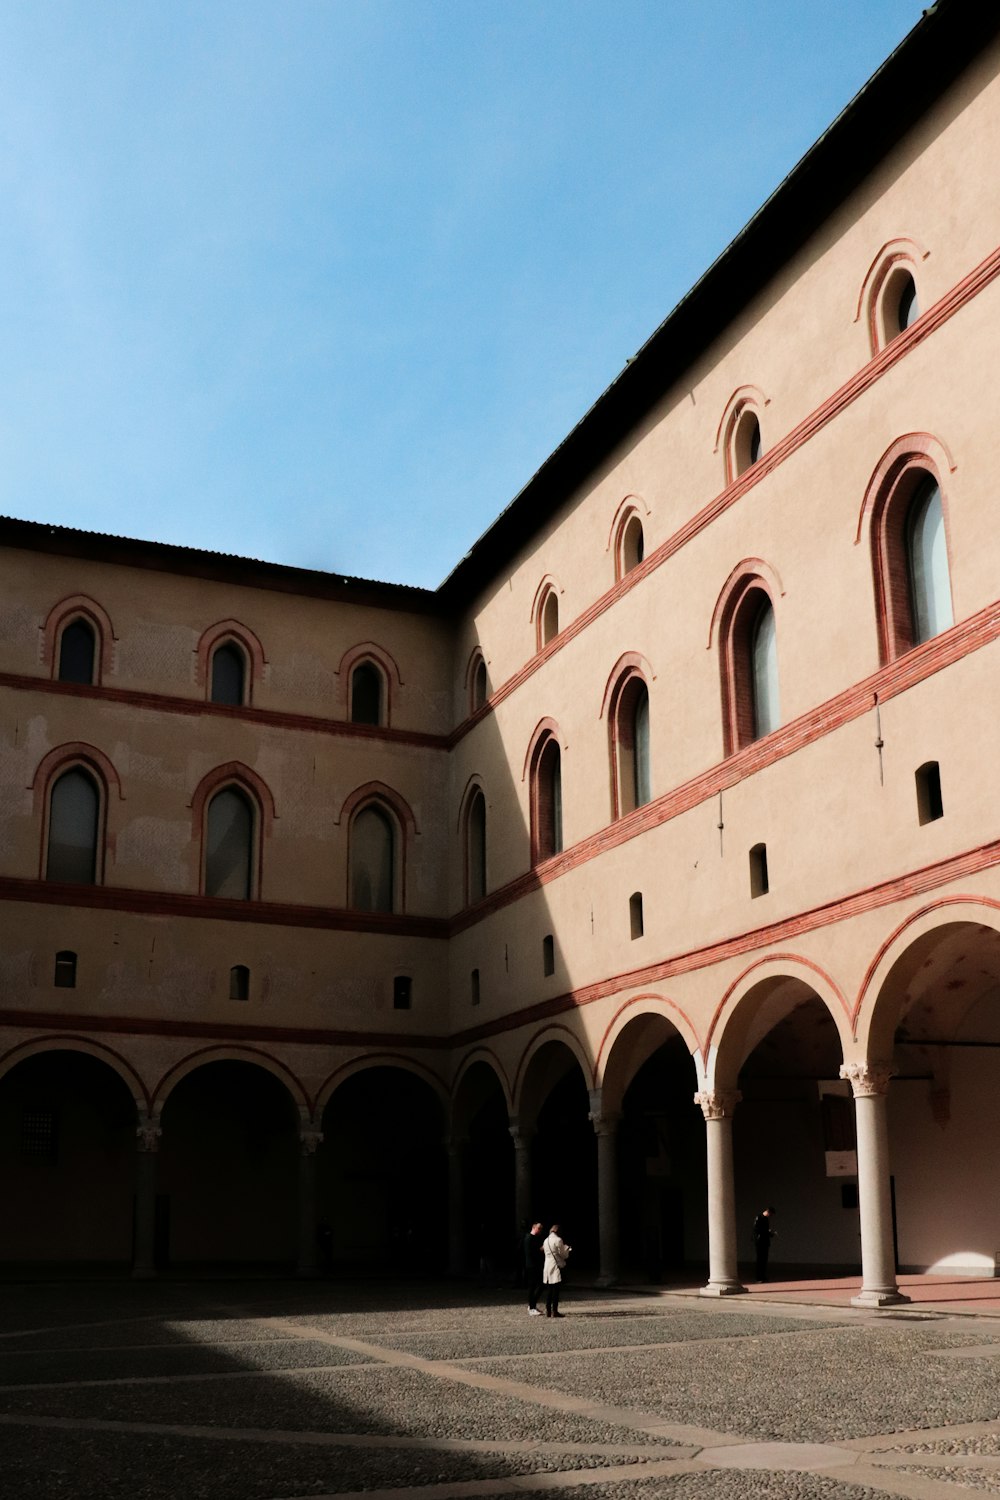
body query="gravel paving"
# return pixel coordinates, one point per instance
(973, 1479)
(723, 1485)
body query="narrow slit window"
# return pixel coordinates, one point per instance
(476, 852)
(402, 992)
(480, 685)
(64, 977)
(930, 805)
(239, 982)
(474, 987)
(635, 918)
(548, 955)
(758, 870)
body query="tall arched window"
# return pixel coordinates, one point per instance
(229, 675)
(910, 559)
(631, 545)
(764, 649)
(229, 845)
(898, 306)
(479, 684)
(366, 694)
(548, 619)
(77, 652)
(629, 725)
(748, 647)
(373, 860)
(745, 445)
(74, 827)
(546, 800)
(927, 559)
(475, 859)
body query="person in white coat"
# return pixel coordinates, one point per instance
(556, 1255)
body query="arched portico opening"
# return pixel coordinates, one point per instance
(481, 1134)
(67, 1160)
(649, 1081)
(228, 1168)
(935, 1017)
(793, 1131)
(382, 1188)
(554, 1104)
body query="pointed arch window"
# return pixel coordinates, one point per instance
(229, 675)
(367, 694)
(548, 618)
(745, 444)
(546, 800)
(475, 857)
(478, 683)
(373, 860)
(630, 748)
(631, 545)
(78, 652)
(748, 644)
(230, 836)
(74, 824)
(910, 562)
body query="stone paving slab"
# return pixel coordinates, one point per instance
(176, 1360)
(141, 1333)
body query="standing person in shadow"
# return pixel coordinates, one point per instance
(557, 1253)
(763, 1234)
(534, 1263)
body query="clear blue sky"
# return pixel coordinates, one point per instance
(324, 283)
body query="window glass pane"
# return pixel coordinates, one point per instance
(640, 748)
(229, 846)
(753, 446)
(930, 588)
(76, 653)
(477, 847)
(550, 618)
(909, 309)
(556, 789)
(227, 675)
(766, 709)
(371, 861)
(73, 815)
(366, 695)
(479, 686)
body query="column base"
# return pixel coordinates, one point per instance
(879, 1297)
(143, 1273)
(722, 1289)
(607, 1281)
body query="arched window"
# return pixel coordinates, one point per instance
(229, 845)
(77, 652)
(475, 855)
(745, 445)
(367, 694)
(910, 562)
(74, 827)
(629, 724)
(632, 546)
(239, 982)
(229, 675)
(548, 619)
(373, 860)
(748, 645)
(898, 305)
(479, 685)
(546, 800)
(64, 975)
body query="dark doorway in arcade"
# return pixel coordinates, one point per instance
(383, 1186)
(228, 1168)
(661, 1170)
(67, 1162)
(480, 1114)
(564, 1167)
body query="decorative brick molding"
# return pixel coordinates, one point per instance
(242, 636)
(79, 607)
(384, 663)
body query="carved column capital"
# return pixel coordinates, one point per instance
(310, 1138)
(521, 1137)
(147, 1135)
(718, 1104)
(604, 1124)
(868, 1079)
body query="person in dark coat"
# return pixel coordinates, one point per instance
(763, 1234)
(534, 1260)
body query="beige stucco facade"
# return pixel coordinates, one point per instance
(488, 1086)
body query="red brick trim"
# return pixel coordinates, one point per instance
(631, 662)
(738, 610)
(929, 322)
(778, 961)
(378, 791)
(63, 758)
(652, 1005)
(347, 1070)
(241, 635)
(75, 607)
(223, 1052)
(631, 505)
(471, 669)
(627, 670)
(557, 1032)
(750, 567)
(744, 398)
(547, 586)
(164, 703)
(69, 1042)
(896, 252)
(546, 732)
(218, 909)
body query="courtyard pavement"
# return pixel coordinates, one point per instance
(266, 1390)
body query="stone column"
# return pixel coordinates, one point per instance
(147, 1144)
(606, 1129)
(522, 1177)
(307, 1260)
(456, 1206)
(870, 1085)
(723, 1270)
